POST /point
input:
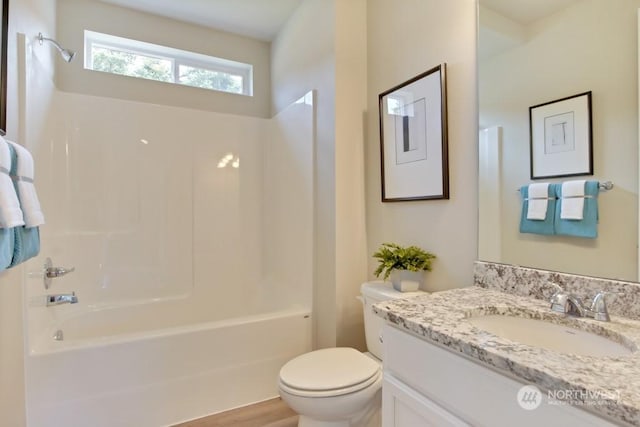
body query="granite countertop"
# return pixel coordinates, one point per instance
(440, 317)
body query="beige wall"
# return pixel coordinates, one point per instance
(404, 39)
(350, 55)
(303, 58)
(75, 16)
(590, 46)
(332, 60)
(351, 105)
(28, 17)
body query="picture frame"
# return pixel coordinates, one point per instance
(4, 33)
(413, 138)
(561, 137)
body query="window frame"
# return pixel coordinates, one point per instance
(177, 57)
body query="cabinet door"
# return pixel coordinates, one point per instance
(404, 407)
(469, 390)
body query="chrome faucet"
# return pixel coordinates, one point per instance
(566, 303)
(599, 306)
(61, 299)
(50, 272)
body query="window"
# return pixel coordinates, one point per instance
(117, 55)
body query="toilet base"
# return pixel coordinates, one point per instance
(308, 422)
(371, 416)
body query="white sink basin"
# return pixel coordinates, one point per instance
(551, 336)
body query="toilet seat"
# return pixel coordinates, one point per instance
(329, 372)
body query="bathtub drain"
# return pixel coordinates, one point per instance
(59, 335)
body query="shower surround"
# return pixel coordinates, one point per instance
(192, 235)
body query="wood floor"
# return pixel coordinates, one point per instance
(270, 413)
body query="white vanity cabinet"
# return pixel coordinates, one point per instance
(427, 385)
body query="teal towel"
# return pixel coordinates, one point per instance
(586, 227)
(7, 242)
(7, 235)
(26, 241)
(27, 244)
(537, 226)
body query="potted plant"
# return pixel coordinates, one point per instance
(405, 265)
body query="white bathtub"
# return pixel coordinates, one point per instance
(129, 374)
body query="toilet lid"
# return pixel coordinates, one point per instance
(328, 369)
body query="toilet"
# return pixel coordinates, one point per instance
(341, 387)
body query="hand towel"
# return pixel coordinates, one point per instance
(26, 244)
(538, 227)
(29, 202)
(7, 244)
(588, 226)
(538, 201)
(572, 202)
(26, 241)
(10, 212)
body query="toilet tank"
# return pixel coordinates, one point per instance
(373, 293)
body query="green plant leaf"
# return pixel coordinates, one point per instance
(392, 256)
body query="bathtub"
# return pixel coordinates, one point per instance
(157, 370)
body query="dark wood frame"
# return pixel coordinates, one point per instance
(590, 137)
(445, 153)
(4, 33)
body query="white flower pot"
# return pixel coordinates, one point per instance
(406, 281)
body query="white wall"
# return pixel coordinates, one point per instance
(29, 17)
(143, 211)
(75, 16)
(432, 32)
(287, 206)
(590, 46)
(147, 214)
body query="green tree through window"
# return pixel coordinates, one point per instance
(134, 58)
(217, 80)
(131, 64)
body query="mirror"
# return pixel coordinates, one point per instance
(4, 21)
(535, 51)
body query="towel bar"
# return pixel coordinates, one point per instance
(604, 186)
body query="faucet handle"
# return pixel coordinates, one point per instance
(557, 287)
(559, 298)
(559, 302)
(599, 305)
(51, 272)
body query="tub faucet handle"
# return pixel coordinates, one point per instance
(51, 272)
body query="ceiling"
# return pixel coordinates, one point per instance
(262, 19)
(504, 23)
(259, 19)
(526, 12)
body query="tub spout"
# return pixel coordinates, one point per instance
(62, 299)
